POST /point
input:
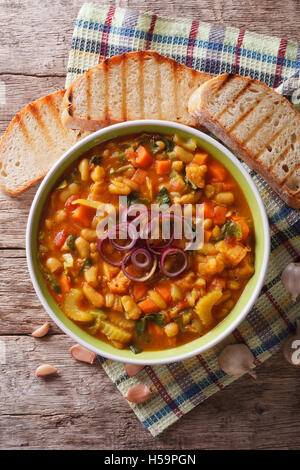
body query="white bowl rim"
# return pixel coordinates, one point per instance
(219, 146)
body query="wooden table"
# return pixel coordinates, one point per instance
(82, 408)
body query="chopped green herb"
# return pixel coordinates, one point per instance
(179, 322)
(85, 265)
(232, 228)
(163, 197)
(157, 318)
(153, 147)
(71, 241)
(141, 324)
(134, 198)
(100, 315)
(140, 327)
(189, 184)
(54, 284)
(135, 349)
(75, 174)
(122, 158)
(96, 160)
(168, 143)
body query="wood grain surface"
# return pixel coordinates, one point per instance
(81, 408)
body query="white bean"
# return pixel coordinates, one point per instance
(54, 265)
(84, 169)
(82, 246)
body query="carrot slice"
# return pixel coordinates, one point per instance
(162, 167)
(200, 158)
(176, 184)
(227, 186)
(219, 217)
(60, 238)
(144, 158)
(139, 291)
(182, 304)
(148, 306)
(154, 329)
(83, 215)
(164, 291)
(217, 171)
(131, 157)
(65, 283)
(207, 235)
(140, 176)
(208, 209)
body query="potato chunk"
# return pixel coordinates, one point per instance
(119, 284)
(233, 254)
(196, 174)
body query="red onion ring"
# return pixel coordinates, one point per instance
(145, 253)
(100, 250)
(118, 229)
(158, 248)
(141, 279)
(171, 251)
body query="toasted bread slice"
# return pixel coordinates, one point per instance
(135, 85)
(33, 142)
(258, 124)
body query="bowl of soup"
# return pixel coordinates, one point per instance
(148, 242)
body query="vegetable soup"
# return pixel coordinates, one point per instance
(124, 285)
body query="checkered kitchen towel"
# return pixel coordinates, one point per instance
(104, 31)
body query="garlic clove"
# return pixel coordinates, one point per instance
(133, 369)
(44, 370)
(138, 393)
(291, 280)
(82, 354)
(236, 359)
(41, 331)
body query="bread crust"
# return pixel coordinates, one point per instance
(30, 108)
(73, 121)
(197, 109)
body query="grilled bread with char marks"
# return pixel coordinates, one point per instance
(135, 85)
(258, 124)
(33, 142)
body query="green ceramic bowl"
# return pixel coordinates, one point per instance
(247, 299)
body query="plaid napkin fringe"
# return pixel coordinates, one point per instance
(104, 31)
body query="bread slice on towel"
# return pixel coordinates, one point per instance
(135, 85)
(33, 142)
(258, 124)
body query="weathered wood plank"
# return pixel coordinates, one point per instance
(21, 311)
(81, 408)
(21, 90)
(48, 33)
(13, 218)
